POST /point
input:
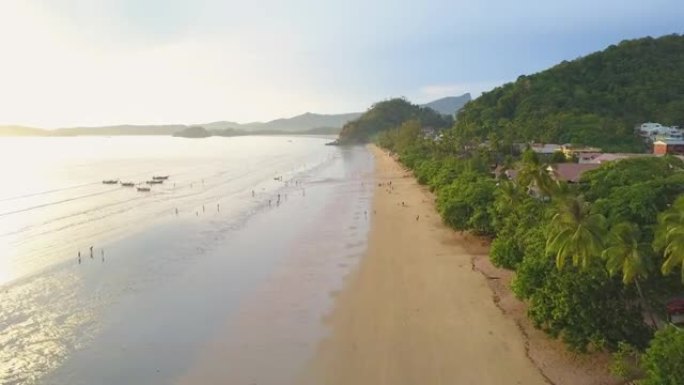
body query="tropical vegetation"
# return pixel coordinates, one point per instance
(595, 260)
(596, 99)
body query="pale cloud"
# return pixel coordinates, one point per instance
(53, 76)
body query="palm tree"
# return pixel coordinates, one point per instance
(535, 171)
(669, 237)
(509, 193)
(625, 253)
(575, 232)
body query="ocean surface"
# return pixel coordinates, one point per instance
(243, 244)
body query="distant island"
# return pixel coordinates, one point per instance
(193, 132)
(304, 124)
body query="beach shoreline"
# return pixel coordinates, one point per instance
(414, 311)
(401, 318)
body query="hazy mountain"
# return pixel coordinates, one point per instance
(308, 123)
(222, 125)
(193, 132)
(449, 105)
(127, 129)
(304, 122)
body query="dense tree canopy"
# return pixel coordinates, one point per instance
(664, 358)
(390, 114)
(594, 100)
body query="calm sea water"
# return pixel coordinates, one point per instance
(168, 266)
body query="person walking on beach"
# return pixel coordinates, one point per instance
(91, 252)
(218, 207)
(176, 211)
(252, 193)
(102, 253)
(79, 257)
(417, 218)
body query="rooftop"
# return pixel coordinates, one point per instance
(618, 156)
(571, 172)
(670, 142)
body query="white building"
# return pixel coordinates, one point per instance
(545, 148)
(656, 130)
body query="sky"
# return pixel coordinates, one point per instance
(101, 62)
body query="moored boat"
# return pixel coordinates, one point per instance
(110, 181)
(155, 181)
(160, 177)
(127, 184)
(144, 189)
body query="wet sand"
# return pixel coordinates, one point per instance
(275, 328)
(415, 312)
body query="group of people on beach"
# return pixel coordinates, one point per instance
(390, 189)
(284, 195)
(92, 255)
(280, 197)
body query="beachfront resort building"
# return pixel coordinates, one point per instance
(655, 131)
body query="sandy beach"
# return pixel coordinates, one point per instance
(415, 311)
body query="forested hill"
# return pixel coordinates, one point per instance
(596, 99)
(449, 105)
(387, 115)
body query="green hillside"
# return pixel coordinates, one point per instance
(387, 115)
(597, 99)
